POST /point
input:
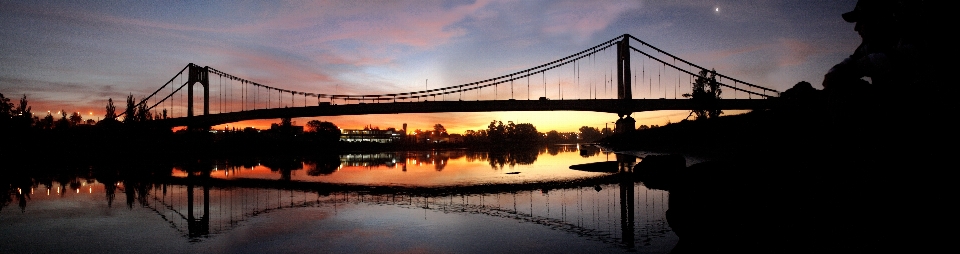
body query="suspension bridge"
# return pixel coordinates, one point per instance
(611, 86)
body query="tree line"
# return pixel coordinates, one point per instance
(21, 117)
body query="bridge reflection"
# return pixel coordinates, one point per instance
(611, 208)
(201, 207)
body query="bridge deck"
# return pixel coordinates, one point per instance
(595, 105)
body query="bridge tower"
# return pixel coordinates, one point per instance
(200, 75)
(624, 124)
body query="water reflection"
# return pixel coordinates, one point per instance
(323, 164)
(193, 201)
(412, 168)
(587, 151)
(198, 210)
(439, 159)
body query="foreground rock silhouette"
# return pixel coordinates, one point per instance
(842, 188)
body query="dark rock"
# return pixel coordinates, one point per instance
(659, 171)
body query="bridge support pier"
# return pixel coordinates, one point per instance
(196, 75)
(625, 124)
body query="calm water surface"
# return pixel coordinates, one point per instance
(184, 213)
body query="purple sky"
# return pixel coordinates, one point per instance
(75, 55)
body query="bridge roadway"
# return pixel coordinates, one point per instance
(595, 105)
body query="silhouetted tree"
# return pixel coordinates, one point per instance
(438, 132)
(76, 119)
(706, 89)
(46, 122)
(110, 118)
(111, 111)
(284, 126)
(325, 131)
(471, 136)
(523, 133)
(439, 129)
(62, 123)
(589, 134)
(496, 132)
(143, 114)
(6, 111)
(553, 136)
(129, 115)
(22, 118)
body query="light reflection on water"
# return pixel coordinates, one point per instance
(421, 168)
(135, 215)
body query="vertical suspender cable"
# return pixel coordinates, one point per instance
(220, 98)
(181, 94)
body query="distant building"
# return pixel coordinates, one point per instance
(380, 136)
(292, 129)
(454, 138)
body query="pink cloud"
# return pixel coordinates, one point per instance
(582, 19)
(785, 52)
(795, 52)
(383, 23)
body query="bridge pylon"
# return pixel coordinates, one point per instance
(624, 124)
(199, 75)
(623, 69)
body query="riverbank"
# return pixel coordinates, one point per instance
(837, 177)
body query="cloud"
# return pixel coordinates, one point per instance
(757, 63)
(45, 95)
(795, 52)
(583, 19)
(363, 33)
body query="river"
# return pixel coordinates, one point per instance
(444, 201)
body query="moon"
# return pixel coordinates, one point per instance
(718, 9)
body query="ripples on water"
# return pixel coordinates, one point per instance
(81, 213)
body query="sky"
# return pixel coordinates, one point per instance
(75, 55)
